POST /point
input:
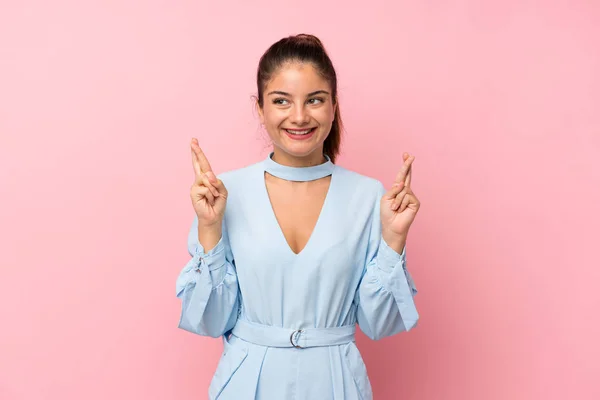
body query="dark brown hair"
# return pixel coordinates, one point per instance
(306, 49)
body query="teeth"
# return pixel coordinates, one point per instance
(299, 132)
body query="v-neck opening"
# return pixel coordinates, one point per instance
(278, 225)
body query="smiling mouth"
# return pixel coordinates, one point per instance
(300, 132)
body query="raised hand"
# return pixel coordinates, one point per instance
(399, 206)
(208, 193)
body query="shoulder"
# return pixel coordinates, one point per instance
(240, 176)
(359, 181)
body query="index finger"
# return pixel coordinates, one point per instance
(202, 160)
(402, 175)
(195, 163)
(408, 177)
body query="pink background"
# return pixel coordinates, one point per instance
(498, 100)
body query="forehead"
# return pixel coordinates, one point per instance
(297, 78)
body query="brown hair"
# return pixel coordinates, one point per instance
(309, 49)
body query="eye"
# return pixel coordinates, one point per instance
(279, 101)
(316, 100)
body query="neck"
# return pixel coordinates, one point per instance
(303, 170)
(310, 160)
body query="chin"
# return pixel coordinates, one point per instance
(301, 149)
(296, 151)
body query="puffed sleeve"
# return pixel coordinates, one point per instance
(208, 287)
(385, 294)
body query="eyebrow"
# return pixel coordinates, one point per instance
(279, 92)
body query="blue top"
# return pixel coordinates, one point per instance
(288, 320)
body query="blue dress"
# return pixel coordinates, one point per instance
(288, 320)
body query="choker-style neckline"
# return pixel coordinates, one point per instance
(298, 174)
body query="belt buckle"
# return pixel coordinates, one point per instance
(296, 332)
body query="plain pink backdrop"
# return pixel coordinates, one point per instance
(498, 100)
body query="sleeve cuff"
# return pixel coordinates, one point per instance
(214, 258)
(388, 258)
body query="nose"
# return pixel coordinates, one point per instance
(300, 116)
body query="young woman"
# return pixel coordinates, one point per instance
(290, 253)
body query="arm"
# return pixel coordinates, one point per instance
(208, 287)
(385, 294)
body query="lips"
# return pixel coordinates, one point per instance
(300, 134)
(300, 131)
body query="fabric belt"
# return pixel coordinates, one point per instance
(272, 336)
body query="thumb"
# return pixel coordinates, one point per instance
(217, 183)
(393, 192)
(212, 178)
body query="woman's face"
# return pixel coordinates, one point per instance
(297, 111)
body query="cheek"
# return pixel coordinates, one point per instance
(326, 115)
(273, 117)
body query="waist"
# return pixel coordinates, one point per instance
(272, 336)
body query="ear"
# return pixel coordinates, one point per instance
(335, 105)
(259, 110)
